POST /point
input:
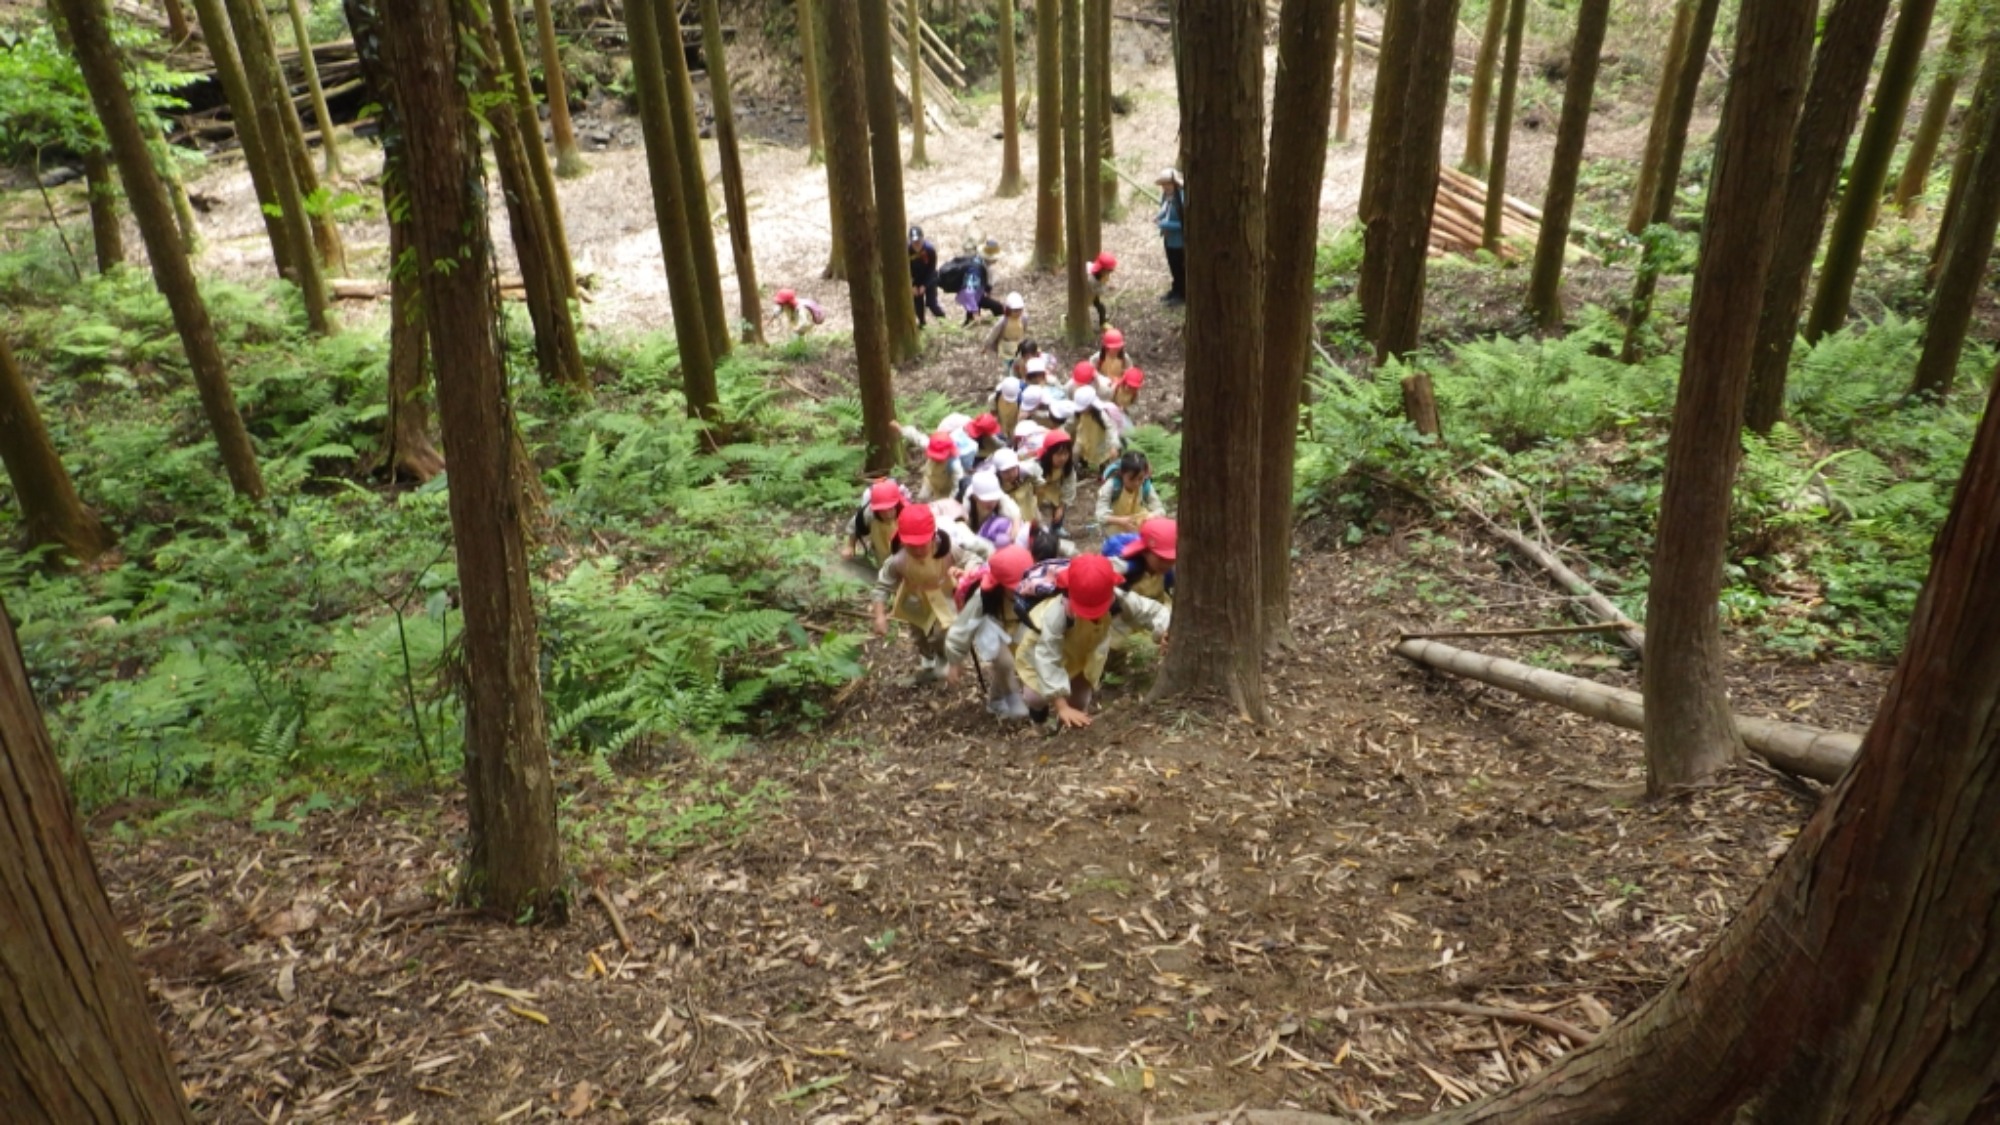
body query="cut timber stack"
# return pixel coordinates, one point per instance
(1459, 219)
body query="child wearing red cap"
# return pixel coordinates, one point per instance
(1125, 391)
(873, 528)
(1111, 360)
(1099, 270)
(987, 624)
(1061, 654)
(916, 580)
(1145, 568)
(942, 467)
(1056, 490)
(791, 305)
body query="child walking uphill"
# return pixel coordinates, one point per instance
(872, 531)
(1111, 360)
(942, 467)
(1126, 497)
(1100, 269)
(1056, 490)
(1061, 654)
(914, 585)
(800, 314)
(987, 626)
(1008, 331)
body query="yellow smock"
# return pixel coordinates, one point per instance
(1091, 438)
(923, 599)
(1085, 644)
(881, 537)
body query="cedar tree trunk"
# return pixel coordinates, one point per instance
(1970, 129)
(1474, 161)
(51, 513)
(1503, 126)
(1852, 29)
(1077, 184)
(569, 161)
(1091, 130)
(913, 36)
(1346, 73)
(1916, 172)
(886, 164)
(1387, 110)
(1580, 87)
(1048, 136)
(694, 185)
(1400, 228)
(735, 199)
(1301, 102)
(1969, 243)
(514, 862)
(78, 1045)
(1666, 184)
(90, 36)
(1664, 101)
(1218, 645)
(259, 49)
(556, 234)
(1689, 731)
(267, 105)
(809, 61)
(220, 39)
(1010, 108)
(303, 39)
(106, 235)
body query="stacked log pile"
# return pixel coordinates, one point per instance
(1459, 219)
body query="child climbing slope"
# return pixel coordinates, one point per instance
(914, 585)
(1060, 657)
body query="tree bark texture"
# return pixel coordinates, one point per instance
(1091, 132)
(1916, 172)
(809, 60)
(562, 132)
(1078, 184)
(514, 862)
(303, 39)
(1387, 110)
(1503, 125)
(220, 39)
(514, 56)
(1010, 107)
(1420, 405)
(649, 79)
(1218, 645)
(1048, 136)
(51, 512)
(1107, 173)
(259, 49)
(1545, 302)
(177, 21)
(1870, 168)
(1647, 184)
(268, 104)
(147, 196)
(1969, 244)
(1301, 102)
(848, 170)
(694, 185)
(1673, 146)
(107, 237)
(1852, 30)
(1861, 983)
(914, 66)
(886, 165)
(1970, 129)
(1401, 223)
(1689, 732)
(1474, 160)
(78, 1045)
(1346, 97)
(735, 196)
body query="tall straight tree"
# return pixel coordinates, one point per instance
(1970, 129)
(1399, 213)
(1474, 160)
(269, 106)
(514, 861)
(1077, 184)
(1851, 31)
(78, 1045)
(1106, 171)
(51, 512)
(809, 61)
(107, 236)
(562, 131)
(220, 40)
(1048, 136)
(694, 183)
(1673, 108)
(1663, 108)
(1559, 202)
(1951, 66)
(1969, 244)
(1010, 108)
(1218, 642)
(258, 47)
(848, 174)
(1301, 102)
(98, 58)
(1346, 73)
(885, 152)
(649, 77)
(514, 55)
(1503, 124)
(302, 38)
(735, 198)
(1870, 168)
(913, 38)
(1690, 732)
(1386, 113)
(1091, 124)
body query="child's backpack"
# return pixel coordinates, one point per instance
(968, 585)
(951, 275)
(1038, 586)
(1114, 547)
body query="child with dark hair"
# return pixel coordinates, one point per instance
(1056, 491)
(987, 624)
(1126, 497)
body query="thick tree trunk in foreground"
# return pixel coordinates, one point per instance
(1870, 167)
(1689, 732)
(810, 53)
(1077, 183)
(1916, 173)
(1970, 243)
(78, 1045)
(1048, 136)
(147, 197)
(1503, 125)
(50, 510)
(303, 39)
(885, 150)
(220, 39)
(107, 237)
(1862, 982)
(1647, 183)
(1346, 97)
(1218, 643)
(694, 185)
(514, 864)
(1399, 228)
(268, 106)
(1545, 286)
(1852, 30)
(649, 79)
(1301, 102)
(1010, 108)
(735, 197)
(848, 172)
(562, 132)
(1473, 163)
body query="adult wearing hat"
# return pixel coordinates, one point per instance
(1170, 220)
(924, 276)
(914, 585)
(1060, 657)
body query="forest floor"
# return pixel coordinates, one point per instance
(916, 915)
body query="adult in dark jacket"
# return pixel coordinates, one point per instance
(923, 276)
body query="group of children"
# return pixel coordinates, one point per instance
(980, 556)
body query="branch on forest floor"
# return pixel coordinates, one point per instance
(1563, 1028)
(1633, 635)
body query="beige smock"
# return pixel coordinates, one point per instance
(917, 590)
(1093, 441)
(1008, 332)
(1057, 646)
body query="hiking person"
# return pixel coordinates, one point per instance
(1170, 220)
(799, 314)
(1017, 479)
(1111, 359)
(1145, 565)
(974, 281)
(987, 626)
(992, 513)
(1125, 392)
(1056, 490)
(1060, 656)
(924, 276)
(942, 467)
(872, 531)
(916, 581)
(1098, 429)
(1126, 497)
(1084, 374)
(1100, 269)
(1009, 331)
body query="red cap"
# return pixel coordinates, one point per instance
(916, 526)
(1083, 374)
(885, 496)
(1006, 568)
(1053, 439)
(941, 448)
(1160, 535)
(984, 426)
(1114, 338)
(786, 297)
(1090, 582)
(1133, 378)
(1105, 260)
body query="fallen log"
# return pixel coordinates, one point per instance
(1821, 755)
(1543, 631)
(1632, 634)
